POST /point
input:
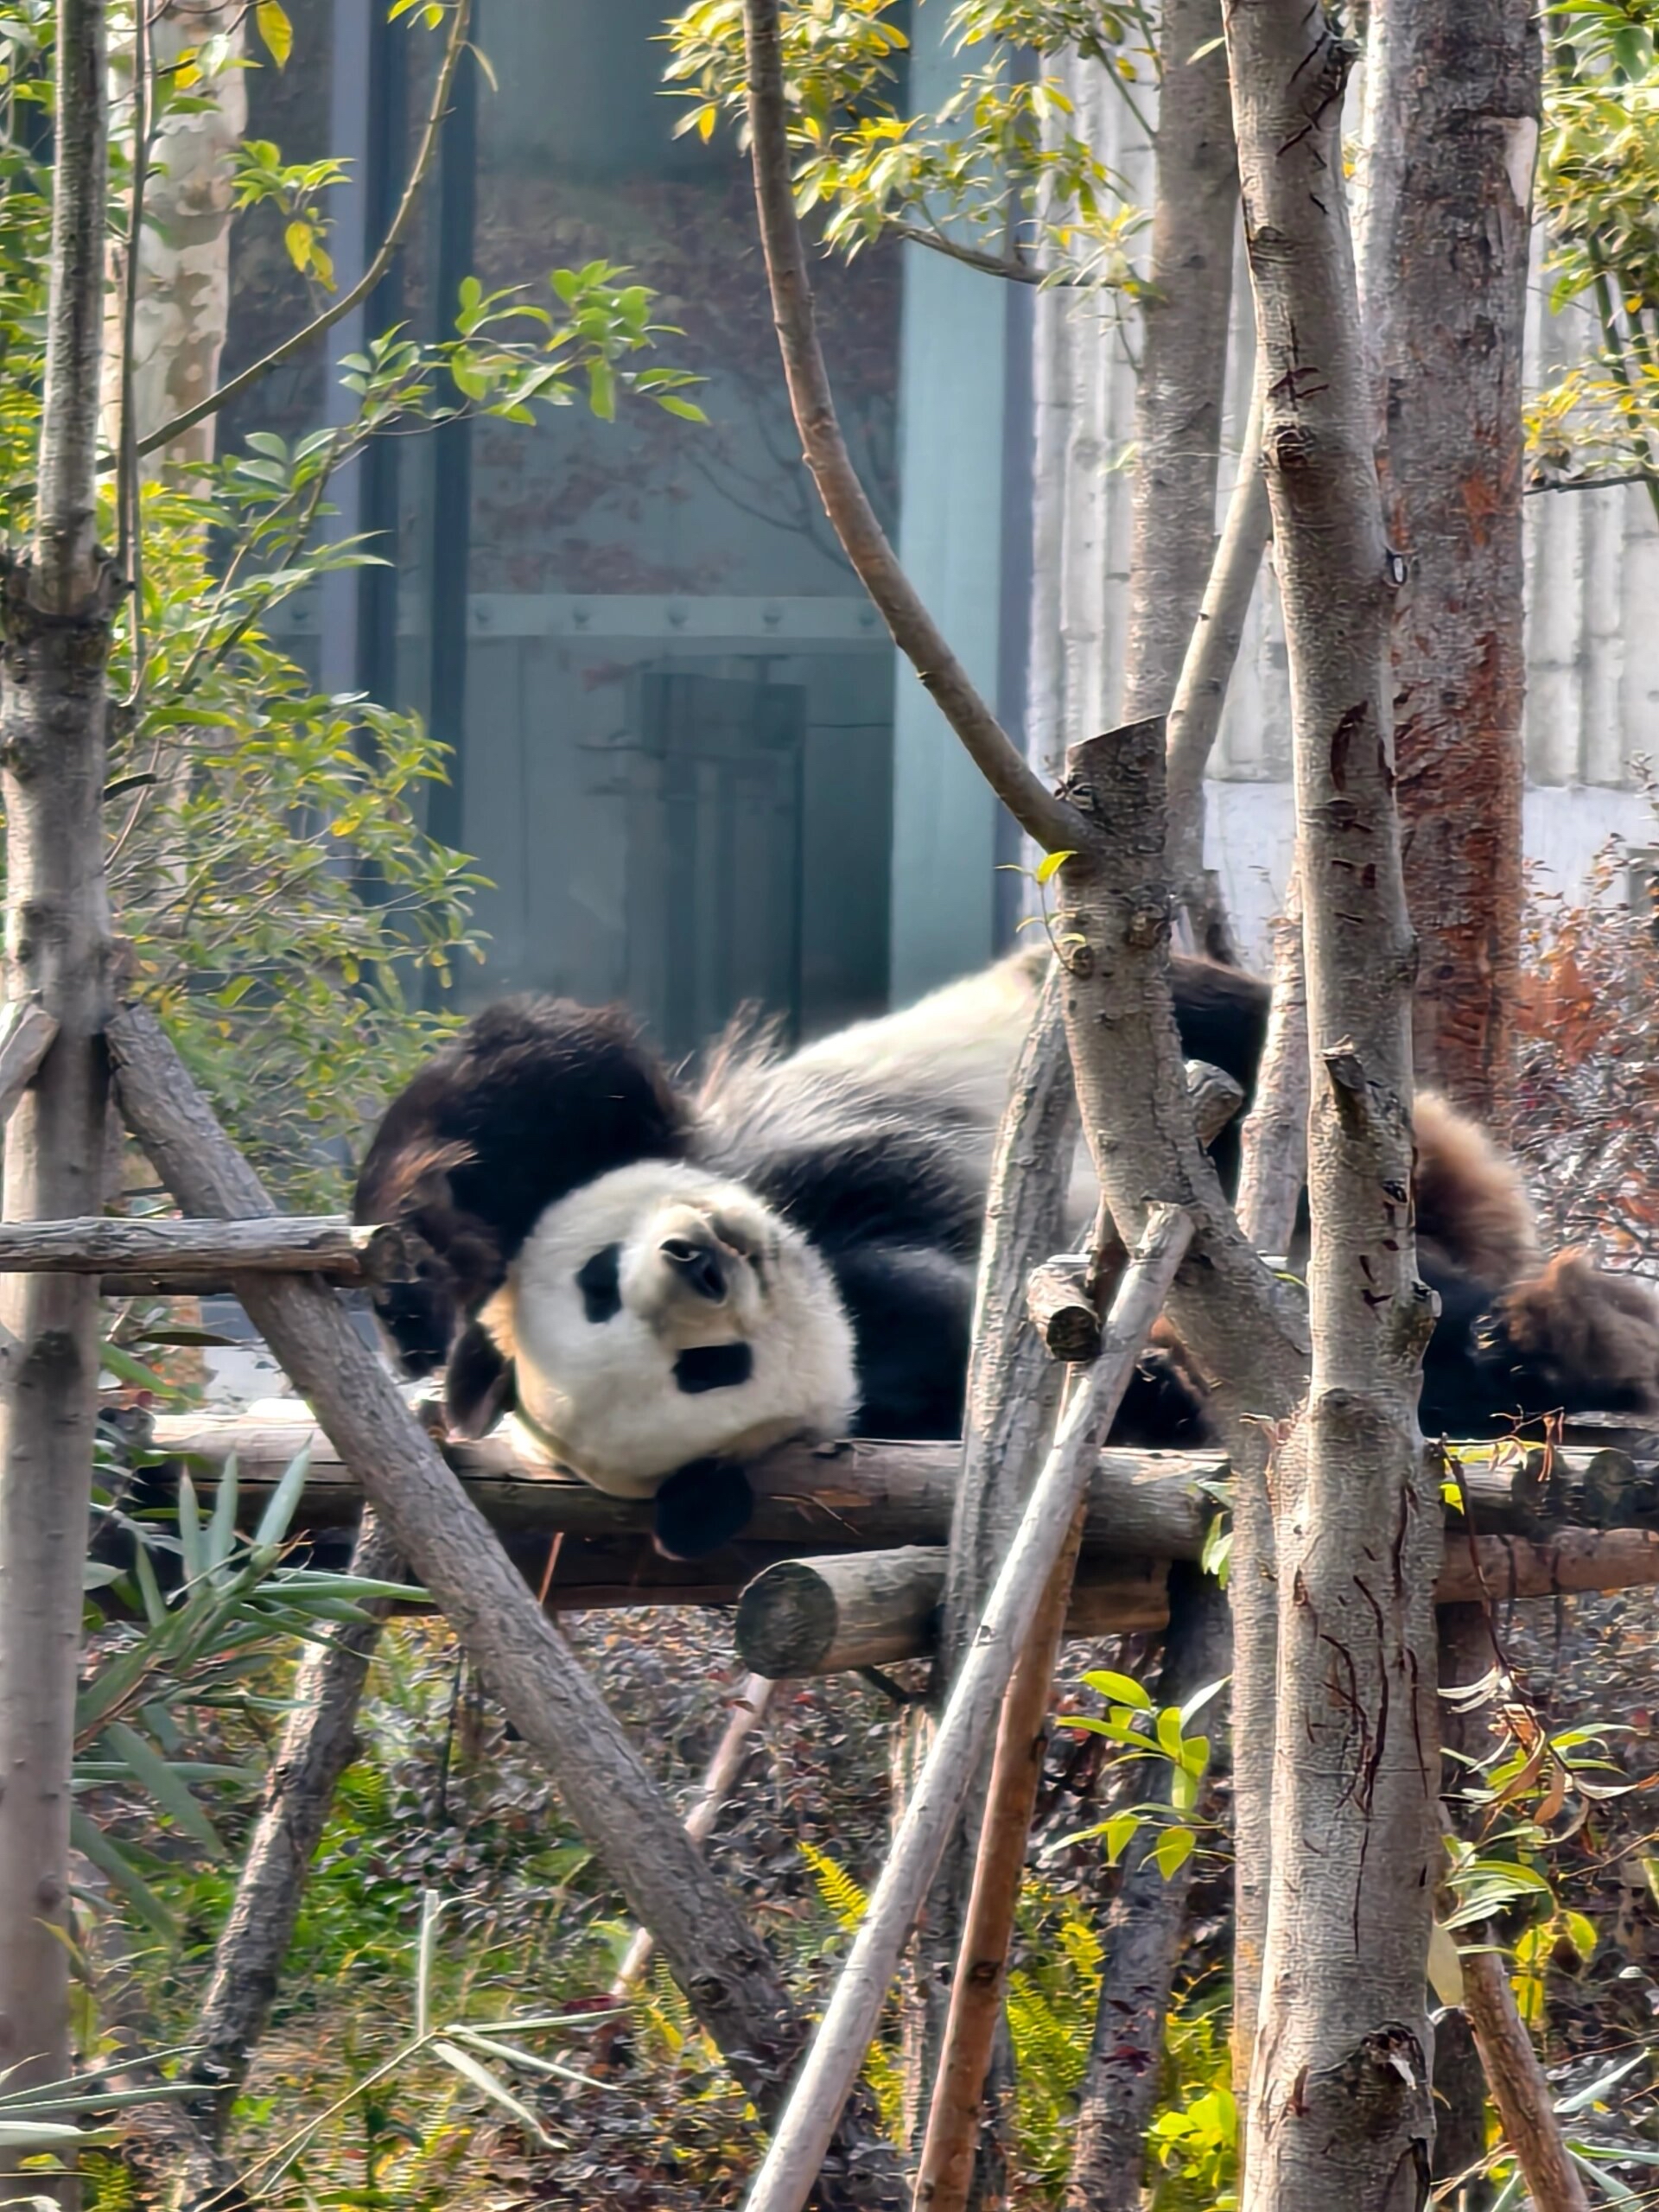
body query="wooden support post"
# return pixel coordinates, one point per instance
(732, 1983)
(946, 2177)
(838, 2049)
(318, 1743)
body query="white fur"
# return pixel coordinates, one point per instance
(603, 1394)
(955, 1049)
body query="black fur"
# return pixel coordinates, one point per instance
(713, 1367)
(912, 1312)
(534, 1099)
(700, 1508)
(598, 1281)
(477, 1384)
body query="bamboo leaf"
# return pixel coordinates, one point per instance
(164, 1784)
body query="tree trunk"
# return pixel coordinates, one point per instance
(58, 607)
(1451, 130)
(1143, 1944)
(182, 287)
(1183, 376)
(1340, 2104)
(1201, 693)
(1514, 2073)
(318, 1745)
(1275, 1142)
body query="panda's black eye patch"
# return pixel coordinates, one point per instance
(713, 1367)
(598, 1281)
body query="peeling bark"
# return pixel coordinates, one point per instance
(1451, 129)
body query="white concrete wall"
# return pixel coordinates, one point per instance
(1593, 576)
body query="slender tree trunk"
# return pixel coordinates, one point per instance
(1183, 375)
(58, 605)
(182, 288)
(1340, 2105)
(1143, 1943)
(1451, 130)
(1201, 692)
(1012, 1392)
(1514, 2072)
(1274, 1143)
(319, 1743)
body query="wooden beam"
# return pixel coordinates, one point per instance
(867, 1496)
(805, 1617)
(158, 1249)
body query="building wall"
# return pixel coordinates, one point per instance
(1593, 573)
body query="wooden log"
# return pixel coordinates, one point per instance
(863, 1609)
(728, 1976)
(867, 1496)
(99, 1244)
(805, 1617)
(1063, 1313)
(1058, 1299)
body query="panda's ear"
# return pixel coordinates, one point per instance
(534, 1099)
(477, 1385)
(701, 1507)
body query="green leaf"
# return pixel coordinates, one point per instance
(602, 390)
(91, 1843)
(687, 410)
(164, 1784)
(275, 30)
(480, 2077)
(1121, 1831)
(1172, 1850)
(1122, 1690)
(195, 1554)
(279, 1511)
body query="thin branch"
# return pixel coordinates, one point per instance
(1590, 483)
(973, 257)
(371, 275)
(1047, 820)
(1201, 693)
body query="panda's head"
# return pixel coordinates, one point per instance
(659, 1316)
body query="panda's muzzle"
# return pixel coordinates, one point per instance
(699, 1265)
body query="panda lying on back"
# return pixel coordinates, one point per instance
(662, 1283)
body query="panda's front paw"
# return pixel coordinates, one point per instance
(700, 1508)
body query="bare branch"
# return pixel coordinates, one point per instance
(1043, 818)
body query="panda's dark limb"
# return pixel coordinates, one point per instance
(700, 1508)
(1568, 1339)
(533, 1100)
(913, 1313)
(477, 1385)
(1164, 1408)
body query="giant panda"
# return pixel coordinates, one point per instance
(660, 1280)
